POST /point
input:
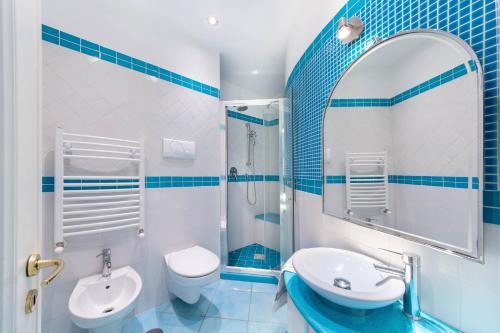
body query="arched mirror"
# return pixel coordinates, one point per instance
(402, 139)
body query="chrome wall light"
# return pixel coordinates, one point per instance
(349, 30)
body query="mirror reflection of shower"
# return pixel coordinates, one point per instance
(251, 141)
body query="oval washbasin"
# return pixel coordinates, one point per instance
(97, 301)
(346, 278)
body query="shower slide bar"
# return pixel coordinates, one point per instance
(93, 204)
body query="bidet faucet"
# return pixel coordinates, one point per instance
(410, 275)
(106, 262)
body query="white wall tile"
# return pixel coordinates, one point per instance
(104, 99)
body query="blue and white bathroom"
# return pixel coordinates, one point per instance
(274, 166)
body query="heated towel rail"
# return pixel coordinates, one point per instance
(367, 181)
(101, 201)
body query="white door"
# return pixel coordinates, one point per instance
(20, 163)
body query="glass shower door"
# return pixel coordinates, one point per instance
(254, 187)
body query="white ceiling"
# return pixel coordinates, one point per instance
(251, 35)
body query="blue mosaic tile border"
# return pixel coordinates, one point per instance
(274, 122)
(47, 184)
(361, 102)
(251, 178)
(438, 181)
(97, 184)
(335, 179)
(150, 182)
(251, 119)
(430, 84)
(309, 85)
(69, 41)
(181, 181)
(245, 117)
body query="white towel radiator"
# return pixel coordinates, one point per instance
(95, 203)
(367, 183)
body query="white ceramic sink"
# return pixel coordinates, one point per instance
(99, 304)
(320, 267)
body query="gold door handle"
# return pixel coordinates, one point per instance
(34, 265)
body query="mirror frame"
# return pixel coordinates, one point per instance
(421, 240)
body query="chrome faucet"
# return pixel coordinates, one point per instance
(410, 275)
(106, 262)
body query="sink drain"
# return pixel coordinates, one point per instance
(342, 283)
(155, 330)
(108, 310)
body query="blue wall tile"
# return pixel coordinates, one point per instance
(55, 36)
(310, 82)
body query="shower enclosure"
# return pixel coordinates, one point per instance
(254, 237)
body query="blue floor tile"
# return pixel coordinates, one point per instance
(261, 309)
(219, 325)
(246, 257)
(230, 304)
(198, 309)
(266, 328)
(225, 306)
(264, 288)
(169, 322)
(235, 285)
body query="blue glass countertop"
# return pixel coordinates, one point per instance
(326, 317)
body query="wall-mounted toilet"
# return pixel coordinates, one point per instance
(189, 270)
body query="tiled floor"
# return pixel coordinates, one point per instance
(251, 256)
(225, 307)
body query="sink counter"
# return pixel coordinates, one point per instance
(323, 316)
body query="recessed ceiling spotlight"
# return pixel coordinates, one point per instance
(349, 30)
(255, 72)
(212, 20)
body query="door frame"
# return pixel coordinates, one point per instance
(20, 159)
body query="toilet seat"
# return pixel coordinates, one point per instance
(193, 262)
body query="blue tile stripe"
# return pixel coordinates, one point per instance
(181, 181)
(419, 89)
(438, 181)
(96, 184)
(61, 38)
(251, 119)
(360, 102)
(335, 179)
(47, 184)
(251, 178)
(245, 117)
(273, 122)
(150, 182)
(311, 80)
(249, 277)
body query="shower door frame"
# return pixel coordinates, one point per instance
(224, 187)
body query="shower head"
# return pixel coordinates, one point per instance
(242, 108)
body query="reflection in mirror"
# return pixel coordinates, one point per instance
(403, 142)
